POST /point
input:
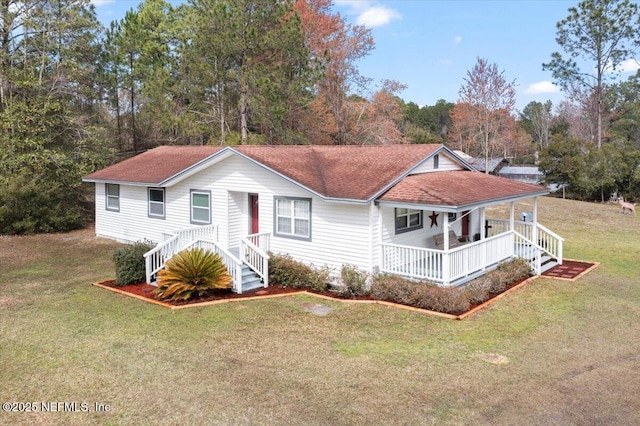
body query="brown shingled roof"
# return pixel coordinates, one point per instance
(344, 172)
(457, 188)
(154, 166)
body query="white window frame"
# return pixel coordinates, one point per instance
(292, 216)
(208, 208)
(108, 197)
(407, 213)
(163, 203)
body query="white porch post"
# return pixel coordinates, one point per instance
(483, 230)
(445, 255)
(534, 236)
(512, 224)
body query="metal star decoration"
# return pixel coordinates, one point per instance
(434, 219)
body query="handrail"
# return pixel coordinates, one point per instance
(172, 243)
(256, 259)
(262, 240)
(549, 231)
(537, 259)
(156, 257)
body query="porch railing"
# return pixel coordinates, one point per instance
(174, 242)
(261, 240)
(255, 257)
(550, 242)
(421, 263)
(450, 267)
(155, 258)
(470, 258)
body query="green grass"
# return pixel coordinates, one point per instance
(572, 347)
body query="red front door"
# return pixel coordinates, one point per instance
(465, 224)
(253, 208)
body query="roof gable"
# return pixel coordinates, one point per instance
(154, 166)
(457, 189)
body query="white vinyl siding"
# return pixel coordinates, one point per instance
(200, 207)
(112, 197)
(341, 232)
(293, 217)
(443, 163)
(156, 202)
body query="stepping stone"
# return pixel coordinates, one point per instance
(317, 309)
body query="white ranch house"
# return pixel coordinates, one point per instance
(413, 210)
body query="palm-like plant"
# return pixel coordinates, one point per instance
(190, 273)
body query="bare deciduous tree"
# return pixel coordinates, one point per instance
(482, 119)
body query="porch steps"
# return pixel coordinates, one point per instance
(250, 281)
(547, 263)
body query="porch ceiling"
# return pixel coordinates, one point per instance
(457, 190)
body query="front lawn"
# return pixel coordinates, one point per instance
(554, 352)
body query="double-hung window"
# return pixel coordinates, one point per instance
(293, 217)
(408, 220)
(200, 207)
(156, 202)
(112, 201)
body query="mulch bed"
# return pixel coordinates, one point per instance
(569, 270)
(148, 292)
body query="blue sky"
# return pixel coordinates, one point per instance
(430, 45)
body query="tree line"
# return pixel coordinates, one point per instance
(75, 96)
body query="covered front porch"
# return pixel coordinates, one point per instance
(452, 238)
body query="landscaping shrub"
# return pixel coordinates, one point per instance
(129, 262)
(515, 270)
(354, 282)
(191, 273)
(420, 294)
(495, 282)
(389, 287)
(287, 272)
(479, 290)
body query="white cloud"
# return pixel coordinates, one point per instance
(377, 16)
(457, 39)
(369, 13)
(630, 65)
(98, 3)
(541, 88)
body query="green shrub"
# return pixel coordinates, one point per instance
(287, 272)
(420, 294)
(354, 282)
(129, 262)
(191, 273)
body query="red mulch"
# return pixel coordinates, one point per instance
(148, 291)
(568, 270)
